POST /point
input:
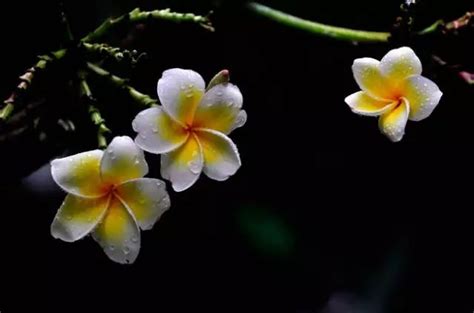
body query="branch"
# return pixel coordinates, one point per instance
(339, 33)
(137, 16)
(95, 114)
(119, 82)
(26, 80)
(353, 35)
(115, 53)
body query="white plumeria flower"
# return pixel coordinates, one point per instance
(393, 89)
(190, 128)
(109, 198)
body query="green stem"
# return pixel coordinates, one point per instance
(26, 80)
(96, 116)
(137, 16)
(345, 34)
(119, 82)
(339, 33)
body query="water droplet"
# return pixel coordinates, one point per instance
(194, 167)
(158, 184)
(183, 87)
(126, 250)
(111, 247)
(155, 129)
(143, 136)
(134, 239)
(68, 217)
(220, 93)
(190, 86)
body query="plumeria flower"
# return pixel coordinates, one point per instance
(108, 197)
(393, 89)
(190, 128)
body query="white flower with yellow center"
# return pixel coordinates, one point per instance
(109, 198)
(190, 128)
(393, 89)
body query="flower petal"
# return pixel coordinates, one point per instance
(157, 131)
(392, 124)
(118, 234)
(399, 64)
(146, 198)
(219, 108)
(122, 161)
(423, 96)
(79, 174)
(363, 104)
(77, 217)
(183, 165)
(221, 157)
(180, 92)
(369, 78)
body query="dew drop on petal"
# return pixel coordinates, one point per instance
(126, 250)
(134, 239)
(111, 247)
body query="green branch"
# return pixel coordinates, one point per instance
(339, 33)
(353, 35)
(137, 16)
(26, 80)
(119, 82)
(96, 116)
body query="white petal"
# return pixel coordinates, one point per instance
(423, 96)
(370, 79)
(399, 64)
(79, 174)
(157, 131)
(118, 234)
(146, 198)
(392, 124)
(183, 166)
(180, 91)
(221, 157)
(123, 160)
(78, 216)
(363, 104)
(219, 108)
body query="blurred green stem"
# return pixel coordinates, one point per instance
(347, 34)
(119, 82)
(96, 116)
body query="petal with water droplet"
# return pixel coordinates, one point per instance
(79, 174)
(123, 160)
(146, 198)
(221, 157)
(219, 109)
(183, 165)
(180, 92)
(116, 232)
(370, 79)
(157, 131)
(363, 104)
(399, 64)
(423, 96)
(392, 124)
(77, 217)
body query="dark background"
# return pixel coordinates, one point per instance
(325, 215)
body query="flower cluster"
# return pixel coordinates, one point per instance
(107, 194)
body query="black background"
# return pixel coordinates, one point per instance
(325, 215)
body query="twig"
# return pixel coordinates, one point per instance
(115, 53)
(119, 82)
(137, 16)
(352, 35)
(94, 112)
